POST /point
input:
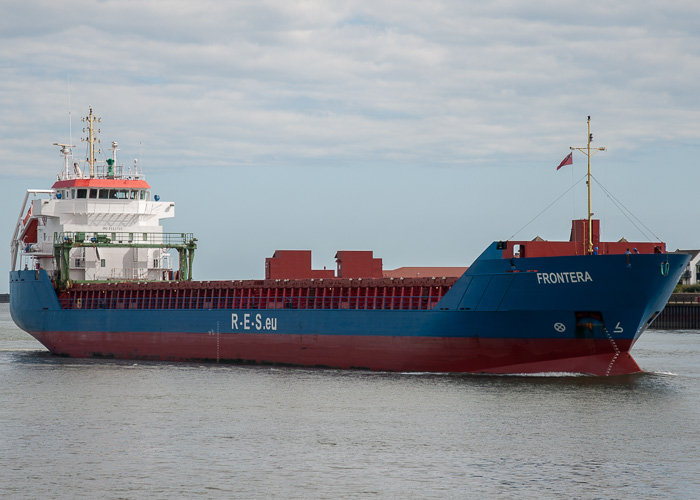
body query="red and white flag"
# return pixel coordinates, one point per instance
(569, 160)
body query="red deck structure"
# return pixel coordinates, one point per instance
(577, 244)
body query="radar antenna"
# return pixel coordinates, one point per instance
(67, 155)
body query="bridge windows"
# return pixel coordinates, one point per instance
(104, 194)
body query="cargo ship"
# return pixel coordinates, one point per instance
(93, 274)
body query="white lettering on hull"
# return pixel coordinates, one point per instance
(564, 277)
(254, 322)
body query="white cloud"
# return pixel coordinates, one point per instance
(429, 73)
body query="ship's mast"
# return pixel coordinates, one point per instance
(588, 151)
(91, 119)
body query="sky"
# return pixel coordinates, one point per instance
(419, 130)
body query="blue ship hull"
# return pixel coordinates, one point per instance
(564, 314)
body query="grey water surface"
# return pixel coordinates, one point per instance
(73, 428)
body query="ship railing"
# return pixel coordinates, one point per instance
(119, 237)
(398, 302)
(128, 274)
(684, 298)
(104, 171)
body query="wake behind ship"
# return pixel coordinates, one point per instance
(98, 281)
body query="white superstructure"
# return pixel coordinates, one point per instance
(100, 220)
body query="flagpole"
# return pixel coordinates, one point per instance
(590, 211)
(588, 153)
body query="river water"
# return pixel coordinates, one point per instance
(74, 428)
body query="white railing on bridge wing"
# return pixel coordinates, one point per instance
(120, 237)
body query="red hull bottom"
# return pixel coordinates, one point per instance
(422, 354)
